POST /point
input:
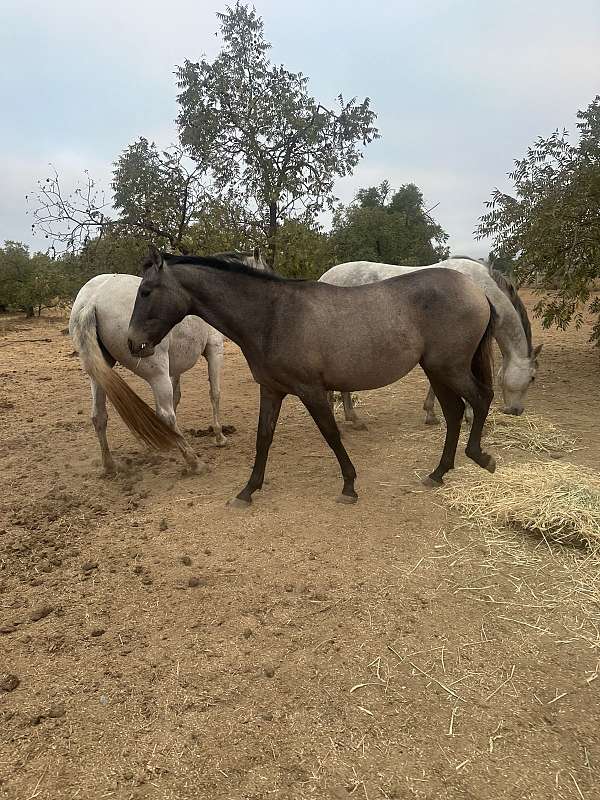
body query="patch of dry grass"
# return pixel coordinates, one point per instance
(529, 432)
(556, 500)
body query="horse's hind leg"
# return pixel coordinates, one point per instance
(350, 413)
(453, 410)
(99, 419)
(162, 389)
(320, 411)
(214, 358)
(270, 406)
(429, 406)
(479, 398)
(480, 402)
(176, 381)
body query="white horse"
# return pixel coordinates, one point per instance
(98, 326)
(512, 329)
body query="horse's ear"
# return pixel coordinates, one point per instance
(155, 257)
(537, 350)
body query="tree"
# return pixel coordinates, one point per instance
(391, 230)
(550, 224)
(255, 127)
(156, 194)
(502, 263)
(303, 251)
(29, 282)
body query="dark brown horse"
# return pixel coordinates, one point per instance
(307, 338)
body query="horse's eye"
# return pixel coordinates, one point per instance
(145, 292)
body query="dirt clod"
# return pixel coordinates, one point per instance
(40, 612)
(8, 682)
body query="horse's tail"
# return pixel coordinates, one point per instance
(135, 413)
(482, 364)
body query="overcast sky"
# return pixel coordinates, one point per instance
(461, 87)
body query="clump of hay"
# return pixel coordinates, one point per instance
(528, 432)
(556, 500)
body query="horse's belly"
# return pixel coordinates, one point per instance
(363, 374)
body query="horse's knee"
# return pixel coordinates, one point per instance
(99, 421)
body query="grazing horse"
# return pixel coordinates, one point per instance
(512, 329)
(306, 338)
(98, 326)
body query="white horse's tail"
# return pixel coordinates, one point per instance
(135, 413)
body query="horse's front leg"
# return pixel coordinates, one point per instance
(270, 406)
(350, 413)
(162, 389)
(214, 358)
(468, 415)
(319, 409)
(429, 406)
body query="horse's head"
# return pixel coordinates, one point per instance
(517, 375)
(255, 259)
(159, 305)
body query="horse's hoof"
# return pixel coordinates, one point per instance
(348, 499)
(110, 471)
(491, 465)
(221, 441)
(237, 502)
(357, 425)
(432, 483)
(431, 419)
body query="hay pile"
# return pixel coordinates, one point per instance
(558, 501)
(528, 432)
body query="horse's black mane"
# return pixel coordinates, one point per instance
(229, 262)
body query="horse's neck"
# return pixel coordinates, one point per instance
(234, 303)
(509, 332)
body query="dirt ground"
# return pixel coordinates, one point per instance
(155, 644)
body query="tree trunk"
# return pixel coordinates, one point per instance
(272, 234)
(29, 312)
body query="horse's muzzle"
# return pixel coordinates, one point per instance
(513, 412)
(141, 350)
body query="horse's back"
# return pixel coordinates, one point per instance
(360, 273)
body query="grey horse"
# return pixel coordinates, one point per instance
(306, 338)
